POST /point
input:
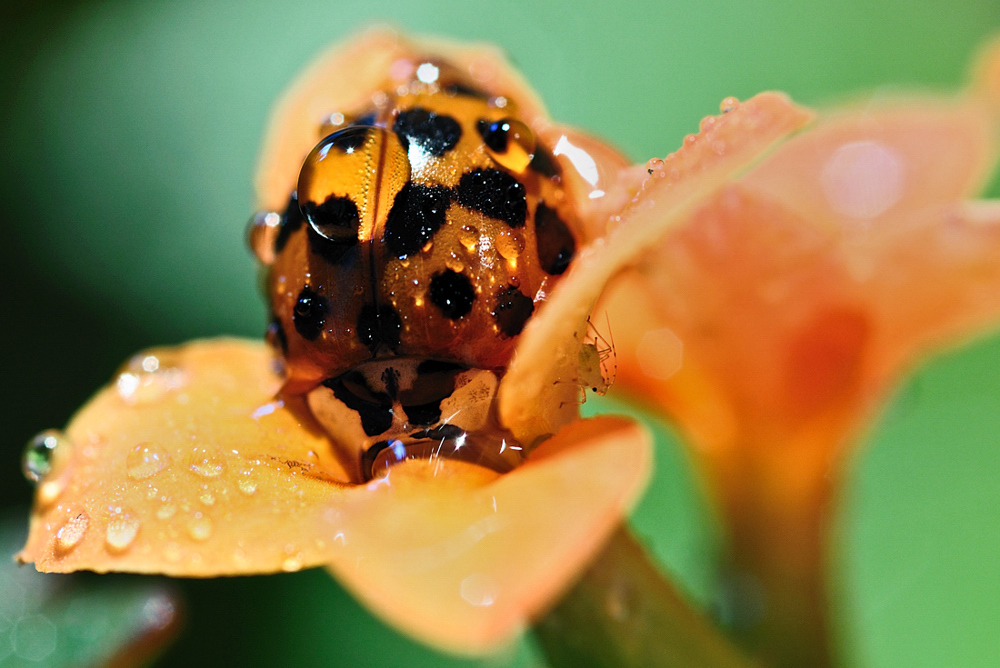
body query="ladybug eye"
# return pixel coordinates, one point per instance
(508, 141)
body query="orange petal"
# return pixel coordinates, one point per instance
(544, 364)
(881, 161)
(186, 466)
(466, 567)
(986, 74)
(344, 78)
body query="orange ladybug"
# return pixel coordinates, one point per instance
(423, 230)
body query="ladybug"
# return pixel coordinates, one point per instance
(424, 231)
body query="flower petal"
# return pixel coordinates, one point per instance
(466, 567)
(188, 466)
(192, 469)
(544, 365)
(882, 160)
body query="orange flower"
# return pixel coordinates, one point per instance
(193, 464)
(775, 321)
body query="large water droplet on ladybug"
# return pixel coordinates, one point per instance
(36, 462)
(509, 142)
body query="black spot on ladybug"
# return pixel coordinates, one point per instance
(435, 133)
(424, 414)
(336, 219)
(350, 138)
(309, 313)
(544, 163)
(374, 409)
(276, 335)
(512, 310)
(331, 251)
(417, 213)
(366, 119)
(495, 194)
(291, 221)
(379, 326)
(453, 293)
(556, 245)
(437, 366)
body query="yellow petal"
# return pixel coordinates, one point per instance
(543, 365)
(187, 466)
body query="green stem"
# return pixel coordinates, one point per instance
(624, 613)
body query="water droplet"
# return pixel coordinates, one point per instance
(206, 463)
(707, 123)
(729, 104)
(145, 460)
(200, 527)
(480, 590)
(509, 245)
(36, 462)
(207, 498)
(172, 552)
(262, 232)
(453, 263)
(246, 484)
(469, 236)
(147, 379)
(690, 139)
(654, 165)
(48, 492)
(166, 511)
(71, 533)
(510, 143)
(291, 564)
(121, 533)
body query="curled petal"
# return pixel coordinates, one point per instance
(544, 364)
(189, 466)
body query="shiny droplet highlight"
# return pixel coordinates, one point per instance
(36, 462)
(121, 533)
(145, 460)
(71, 533)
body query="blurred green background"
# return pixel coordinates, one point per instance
(128, 134)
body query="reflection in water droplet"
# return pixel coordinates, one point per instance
(206, 463)
(145, 460)
(121, 533)
(510, 143)
(166, 511)
(480, 590)
(36, 462)
(654, 165)
(729, 104)
(71, 533)
(200, 527)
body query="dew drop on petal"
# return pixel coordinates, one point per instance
(200, 527)
(121, 533)
(206, 463)
(145, 460)
(71, 533)
(49, 492)
(166, 511)
(246, 483)
(654, 165)
(479, 590)
(707, 123)
(36, 462)
(291, 564)
(729, 104)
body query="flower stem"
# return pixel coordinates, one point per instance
(624, 613)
